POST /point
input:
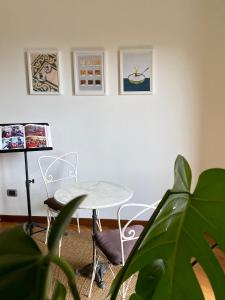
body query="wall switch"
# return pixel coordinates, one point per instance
(12, 193)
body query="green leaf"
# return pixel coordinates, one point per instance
(182, 175)
(24, 270)
(62, 221)
(59, 292)
(20, 263)
(135, 297)
(148, 279)
(70, 274)
(177, 235)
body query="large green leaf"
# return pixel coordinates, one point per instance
(62, 221)
(25, 271)
(21, 262)
(177, 235)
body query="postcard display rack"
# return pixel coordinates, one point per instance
(25, 137)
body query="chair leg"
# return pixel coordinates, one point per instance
(60, 245)
(78, 225)
(99, 222)
(95, 264)
(123, 292)
(114, 276)
(48, 225)
(125, 288)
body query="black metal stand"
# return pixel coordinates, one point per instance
(27, 183)
(30, 224)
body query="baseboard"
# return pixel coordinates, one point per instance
(21, 219)
(111, 223)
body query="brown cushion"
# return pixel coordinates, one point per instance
(109, 243)
(53, 204)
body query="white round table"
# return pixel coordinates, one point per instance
(100, 194)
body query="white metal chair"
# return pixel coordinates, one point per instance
(57, 171)
(117, 244)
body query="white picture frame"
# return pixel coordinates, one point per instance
(136, 71)
(89, 72)
(44, 73)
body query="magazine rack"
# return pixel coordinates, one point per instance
(30, 224)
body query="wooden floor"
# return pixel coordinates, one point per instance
(204, 282)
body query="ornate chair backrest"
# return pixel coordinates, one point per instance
(126, 233)
(56, 170)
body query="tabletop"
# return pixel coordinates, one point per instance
(100, 194)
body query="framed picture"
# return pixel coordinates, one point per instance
(89, 72)
(43, 71)
(136, 71)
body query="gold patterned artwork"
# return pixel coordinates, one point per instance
(43, 72)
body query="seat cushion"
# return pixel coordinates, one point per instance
(109, 243)
(53, 204)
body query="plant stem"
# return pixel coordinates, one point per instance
(69, 274)
(43, 276)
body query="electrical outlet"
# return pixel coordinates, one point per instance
(11, 193)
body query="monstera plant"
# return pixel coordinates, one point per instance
(175, 236)
(25, 272)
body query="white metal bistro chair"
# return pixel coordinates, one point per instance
(56, 172)
(117, 244)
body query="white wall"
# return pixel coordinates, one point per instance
(213, 108)
(132, 140)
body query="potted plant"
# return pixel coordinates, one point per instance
(175, 238)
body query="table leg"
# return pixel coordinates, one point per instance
(94, 229)
(101, 266)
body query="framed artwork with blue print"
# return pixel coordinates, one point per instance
(136, 71)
